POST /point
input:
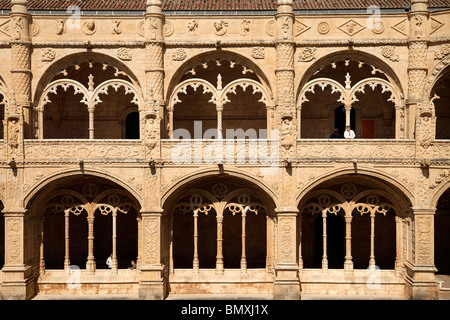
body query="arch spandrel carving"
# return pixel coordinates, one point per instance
(64, 84)
(396, 190)
(116, 84)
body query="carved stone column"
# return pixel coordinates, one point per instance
(152, 283)
(348, 264)
(154, 73)
(20, 24)
(90, 263)
(285, 73)
(287, 284)
(417, 61)
(17, 283)
(420, 281)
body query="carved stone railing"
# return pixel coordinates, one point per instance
(363, 149)
(71, 150)
(228, 151)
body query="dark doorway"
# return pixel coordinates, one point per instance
(132, 126)
(2, 238)
(335, 241)
(339, 119)
(442, 234)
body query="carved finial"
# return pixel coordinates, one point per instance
(91, 82)
(348, 83)
(219, 82)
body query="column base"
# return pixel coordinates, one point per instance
(17, 284)
(152, 285)
(287, 283)
(420, 283)
(286, 290)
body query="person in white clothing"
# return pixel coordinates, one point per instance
(349, 133)
(109, 261)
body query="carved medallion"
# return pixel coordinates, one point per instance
(378, 27)
(323, 28)
(168, 29)
(89, 27)
(140, 29)
(270, 28)
(220, 27)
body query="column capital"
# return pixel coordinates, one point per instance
(423, 211)
(151, 211)
(287, 211)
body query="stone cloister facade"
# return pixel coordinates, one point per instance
(198, 146)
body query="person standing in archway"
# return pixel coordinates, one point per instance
(349, 133)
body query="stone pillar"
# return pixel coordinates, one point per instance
(417, 66)
(420, 281)
(20, 24)
(152, 109)
(152, 283)
(17, 283)
(287, 283)
(285, 73)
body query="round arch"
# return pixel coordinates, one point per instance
(213, 56)
(403, 197)
(440, 70)
(376, 63)
(265, 192)
(79, 57)
(439, 191)
(35, 191)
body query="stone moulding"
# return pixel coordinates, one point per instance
(369, 150)
(83, 149)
